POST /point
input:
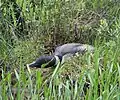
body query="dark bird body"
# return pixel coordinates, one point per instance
(61, 53)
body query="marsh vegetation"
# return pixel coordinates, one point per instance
(30, 28)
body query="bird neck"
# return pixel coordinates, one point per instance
(58, 59)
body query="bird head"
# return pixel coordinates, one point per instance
(46, 61)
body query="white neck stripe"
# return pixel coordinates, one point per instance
(57, 60)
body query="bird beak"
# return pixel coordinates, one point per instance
(31, 64)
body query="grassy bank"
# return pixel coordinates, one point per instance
(44, 25)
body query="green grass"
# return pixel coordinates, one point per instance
(85, 77)
(52, 22)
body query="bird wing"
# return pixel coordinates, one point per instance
(72, 48)
(67, 48)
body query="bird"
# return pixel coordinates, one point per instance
(61, 53)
